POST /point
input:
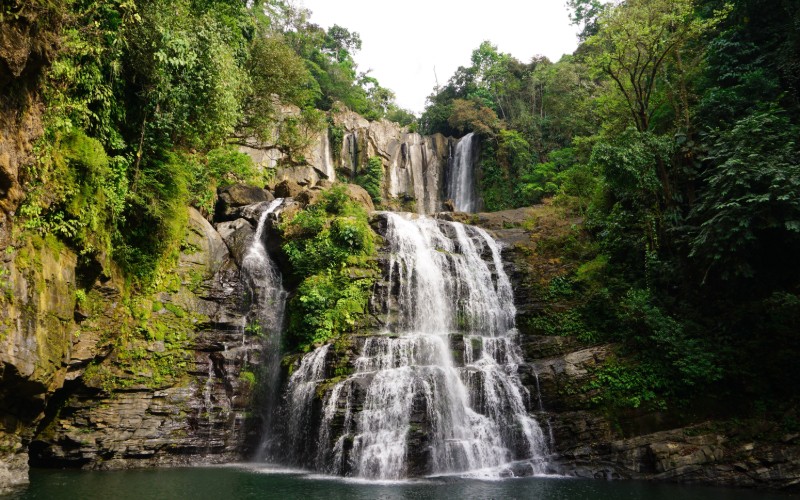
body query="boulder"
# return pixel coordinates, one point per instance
(237, 235)
(309, 197)
(208, 251)
(231, 198)
(288, 189)
(361, 196)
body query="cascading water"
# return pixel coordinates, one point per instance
(263, 279)
(409, 408)
(461, 182)
(263, 285)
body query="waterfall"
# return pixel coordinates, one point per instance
(410, 407)
(263, 280)
(263, 284)
(461, 182)
(327, 158)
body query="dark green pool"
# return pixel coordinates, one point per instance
(239, 482)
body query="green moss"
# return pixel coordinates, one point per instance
(176, 310)
(196, 279)
(6, 287)
(371, 178)
(23, 259)
(248, 378)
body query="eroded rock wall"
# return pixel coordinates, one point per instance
(414, 166)
(177, 386)
(36, 339)
(93, 375)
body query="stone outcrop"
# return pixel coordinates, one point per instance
(414, 166)
(698, 454)
(180, 395)
(37, 331)
(35, 320)
(287, 188)
(231, 199)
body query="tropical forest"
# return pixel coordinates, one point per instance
(234, 265)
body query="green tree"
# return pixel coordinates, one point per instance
(633, 43)
(275, 71)
(748, 215)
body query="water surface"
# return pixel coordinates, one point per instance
(250, 482)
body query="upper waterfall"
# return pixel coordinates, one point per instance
(461, 182)
(444, 284)
(263, 279)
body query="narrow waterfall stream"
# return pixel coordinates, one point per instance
(461, 183)
(437, 391)
(263, 285)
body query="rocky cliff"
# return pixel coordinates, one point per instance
(95, 377)
(36, 278)
(414, 166)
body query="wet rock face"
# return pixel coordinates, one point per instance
(37, 328)
(395, 405)
(120, 415)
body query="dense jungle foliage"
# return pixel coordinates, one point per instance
(673, 130)
(332, 250)
(146, 102)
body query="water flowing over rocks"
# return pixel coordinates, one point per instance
(233, 198)
(435, 390)
(461, 186)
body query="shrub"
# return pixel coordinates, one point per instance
(324, 243)
(371, 178)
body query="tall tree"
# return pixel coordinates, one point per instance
(634, 42)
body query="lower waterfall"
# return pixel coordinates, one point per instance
(435, 392)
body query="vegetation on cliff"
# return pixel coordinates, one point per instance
(331, 248)
(145, 100)
(673, 131)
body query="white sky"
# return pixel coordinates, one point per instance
(403, 41)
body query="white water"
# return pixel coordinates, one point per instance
(263, 280)
(461, 183)
(408, 396)
(263, 285)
